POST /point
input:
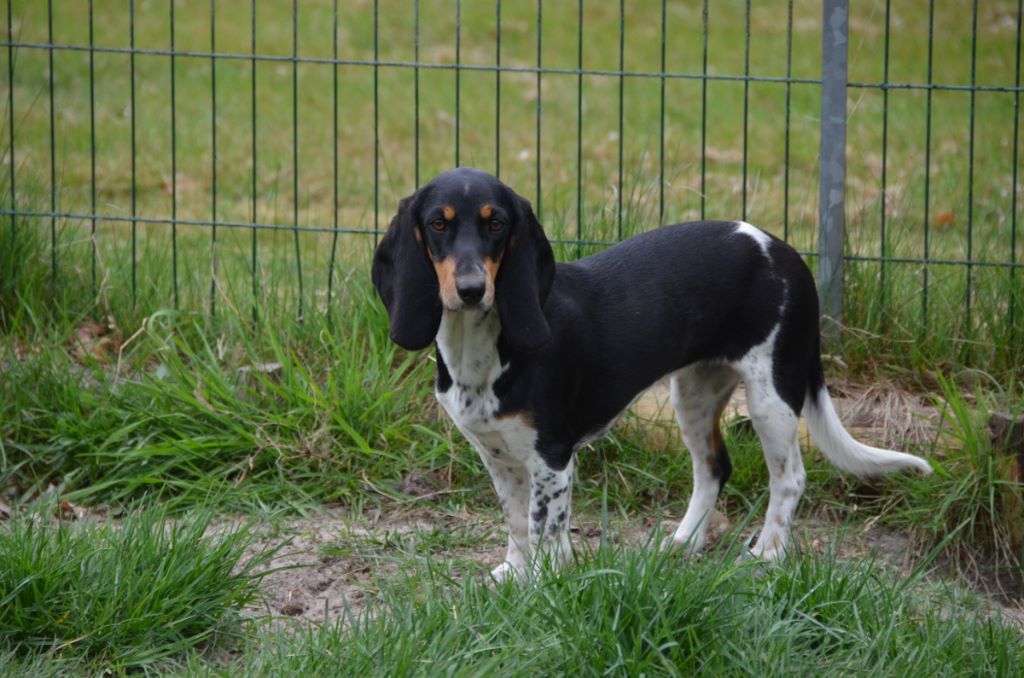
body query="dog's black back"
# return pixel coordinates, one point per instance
(653, 304)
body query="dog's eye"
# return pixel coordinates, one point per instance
(495, 225)
(438, 225)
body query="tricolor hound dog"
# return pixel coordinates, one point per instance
(535, 359)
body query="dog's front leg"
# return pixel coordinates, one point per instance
(550, 510)
(511, 484)
(535, 499)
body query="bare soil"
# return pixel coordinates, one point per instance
(327, 567)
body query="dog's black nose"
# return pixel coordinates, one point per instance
(471, 290)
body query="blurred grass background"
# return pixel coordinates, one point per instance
(291, 151)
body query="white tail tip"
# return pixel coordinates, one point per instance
(840, 448)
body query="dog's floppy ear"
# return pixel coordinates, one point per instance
(524, 280)
(406, 281)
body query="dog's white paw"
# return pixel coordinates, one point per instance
(769, 549)
(507, 572)
(686, 547)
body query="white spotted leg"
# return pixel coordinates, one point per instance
(511, 482)
(698, 394)
(550, 511)
(535, 500)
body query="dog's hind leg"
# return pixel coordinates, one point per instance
(776, 424)
(699, 393)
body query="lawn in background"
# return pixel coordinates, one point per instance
(334, 143)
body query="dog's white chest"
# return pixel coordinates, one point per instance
(467, 342)
(472, 408)
(502, 439)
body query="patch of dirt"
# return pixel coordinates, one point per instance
(304, 582)
(885, 415)
(326, 567)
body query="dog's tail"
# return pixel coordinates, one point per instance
(841, 449)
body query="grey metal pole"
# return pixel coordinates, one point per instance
(832, 180)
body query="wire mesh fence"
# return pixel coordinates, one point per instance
(201, 154)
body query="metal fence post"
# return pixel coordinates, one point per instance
(832, 179)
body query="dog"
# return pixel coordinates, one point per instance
(536, 359)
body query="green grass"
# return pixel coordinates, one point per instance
(634, 612)
(434, 542)
(976, 507)
(124, 595)
(200, 411)
(615, 608)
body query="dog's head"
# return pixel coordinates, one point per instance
(464, 241)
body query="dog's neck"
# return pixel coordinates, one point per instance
(468, 342)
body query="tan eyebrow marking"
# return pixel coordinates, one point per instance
(449, 212)
(486, 212)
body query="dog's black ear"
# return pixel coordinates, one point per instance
(524, 280)
(406, 281)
